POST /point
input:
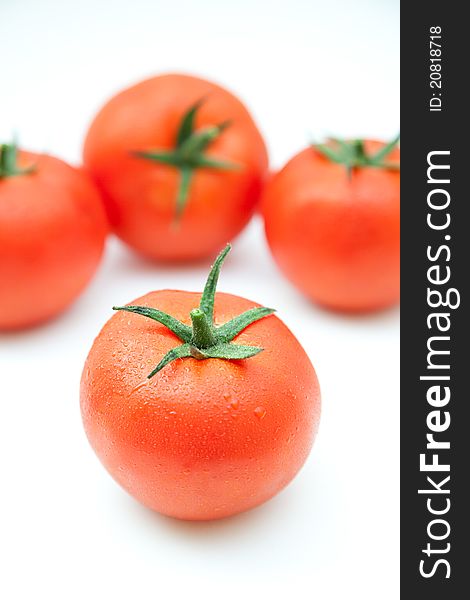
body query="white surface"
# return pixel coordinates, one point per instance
(67, 531)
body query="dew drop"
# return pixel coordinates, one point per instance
(235, 403)
(139, 386)
(260, 412)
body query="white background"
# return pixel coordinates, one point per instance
(305, 68)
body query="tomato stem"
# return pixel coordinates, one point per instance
(204, 339)
(203, 336)
(9, 162)
(188, 155)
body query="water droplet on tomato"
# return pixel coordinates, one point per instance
(260, 412)
(140, 385)
(235, 403)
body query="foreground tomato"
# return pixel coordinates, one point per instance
(181, 165)
(52, 232)
(224, 420)
(332, 220)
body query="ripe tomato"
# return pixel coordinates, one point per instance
(180, 163)
(52, 231)
(217, 427)
(332, 221)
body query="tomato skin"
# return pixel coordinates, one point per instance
(203, 439)
(141, 195)
(52, 232)
(336, 239)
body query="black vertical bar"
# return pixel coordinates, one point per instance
(422, 247)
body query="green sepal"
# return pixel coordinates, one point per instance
(184, 332)
(206, 162)
(208, 295)
(9, 162)
(187, 123)
(352, 154)
(231, 329)
(186, 174)
(230, 351)
(222, 351)
(183, 351)
(203, 340)
(165, 157)
(385, 150)
(199, 141)
(329, 153)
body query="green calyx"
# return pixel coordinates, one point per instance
(188, 155)
(203, 339)
(352, 154)
(9, 162)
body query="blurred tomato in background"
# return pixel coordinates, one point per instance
(180, 163)
(52, 233)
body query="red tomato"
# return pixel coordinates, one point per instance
(180, 163)
(334, 229)
(52, 232)
(219, 427)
